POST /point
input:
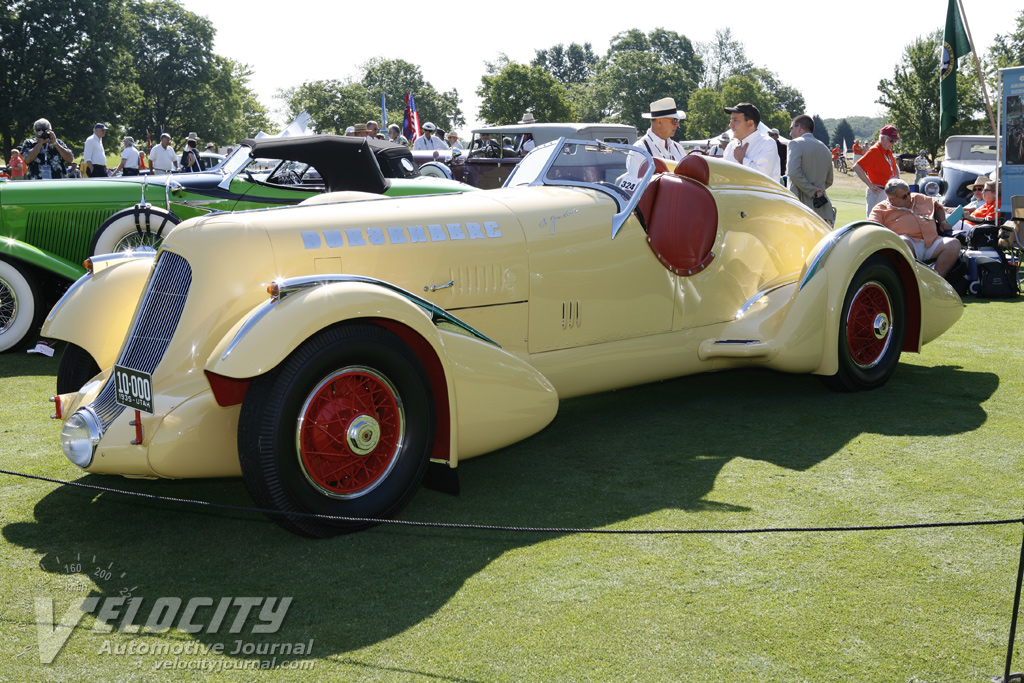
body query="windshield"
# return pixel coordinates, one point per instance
(620, 171)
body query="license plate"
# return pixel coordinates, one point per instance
(134, 389)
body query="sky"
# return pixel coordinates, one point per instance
(835, 61)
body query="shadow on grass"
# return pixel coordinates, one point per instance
(604, 460)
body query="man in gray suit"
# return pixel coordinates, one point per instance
(809, 167)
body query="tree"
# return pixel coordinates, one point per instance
(911, 97)
(669, 47)
(821, 131)
(626, 82)
(332, 104)
(705, 115)
(843, 134)
(723, 57)
(1008, 50)
(787, 98)
(234, 112)
(62, 61)
(518, 88)
(569, 65)
(394, 78)
(746, 89)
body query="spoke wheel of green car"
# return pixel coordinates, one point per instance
(21, 306)
(138, 226)
(77, 367)
(342, 427)
(872, 327)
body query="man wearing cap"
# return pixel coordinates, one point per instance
(162, 157)
(665, 120)
(428, 140)
(93, 155)
(809, 167)
(878, 166)
(129, 158)
(750, 146)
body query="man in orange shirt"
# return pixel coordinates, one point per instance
(917, 218)
(878, 166)
(858, 151)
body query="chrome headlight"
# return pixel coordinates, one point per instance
(79, 437)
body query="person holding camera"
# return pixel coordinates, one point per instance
(45, 154)
(809, 167)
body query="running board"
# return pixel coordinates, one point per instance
(736, 348)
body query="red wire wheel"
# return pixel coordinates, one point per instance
(869, 325)
(350, 432)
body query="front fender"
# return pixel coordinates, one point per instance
(23, 251)
(492, 398)
(96, 312)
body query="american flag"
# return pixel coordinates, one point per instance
(411, 125)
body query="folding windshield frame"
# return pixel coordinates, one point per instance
(537, 164)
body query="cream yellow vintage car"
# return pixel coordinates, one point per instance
(329, 352)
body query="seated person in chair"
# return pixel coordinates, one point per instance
(986, 213)
(918, 219)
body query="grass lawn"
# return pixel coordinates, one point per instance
(742, 449)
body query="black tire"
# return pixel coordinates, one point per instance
(872, 327)
(21, 306)
(133, 227)
(331, 382)
(76, 368)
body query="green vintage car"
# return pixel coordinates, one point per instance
(49, 227)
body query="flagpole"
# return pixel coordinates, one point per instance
(977, 63)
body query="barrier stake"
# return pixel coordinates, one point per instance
(1013, 619)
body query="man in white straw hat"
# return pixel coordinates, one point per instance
(665, 120)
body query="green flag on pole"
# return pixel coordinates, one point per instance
(954, 46)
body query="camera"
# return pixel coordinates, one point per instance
(820, 201)
(44, 134)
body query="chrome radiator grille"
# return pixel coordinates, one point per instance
(152, 329)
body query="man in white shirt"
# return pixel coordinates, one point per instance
(93, 155)
(750, 146)
(453, 140)
(428, 140)
(162, 157)
(665, 120)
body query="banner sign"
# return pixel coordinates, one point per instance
(1011, 177)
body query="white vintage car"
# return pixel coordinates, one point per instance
(328, 352)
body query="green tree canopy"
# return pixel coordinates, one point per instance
(396, 77)
(821, 131)
(911, 97)
(843, 134)
(512, 89)
(1008, 49)
(723, 57)
(739, 88)
(569, 65)
(705, 116)
(62, 61)
(332, 104)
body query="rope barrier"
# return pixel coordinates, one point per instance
(500, 527)
(1006, 678)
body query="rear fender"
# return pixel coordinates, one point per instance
(492, 398)
(97, 310)
(837, 258)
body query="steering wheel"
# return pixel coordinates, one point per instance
(287, 177)
(622, 193)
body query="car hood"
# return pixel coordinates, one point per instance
(973, 167)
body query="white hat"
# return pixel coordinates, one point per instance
(528, 118)
(665, 108)
(429, 126)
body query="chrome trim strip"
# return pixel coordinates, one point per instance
(762, 293)
(831, 240)
(292, 285)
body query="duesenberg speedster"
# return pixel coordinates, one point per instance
(328, 353)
